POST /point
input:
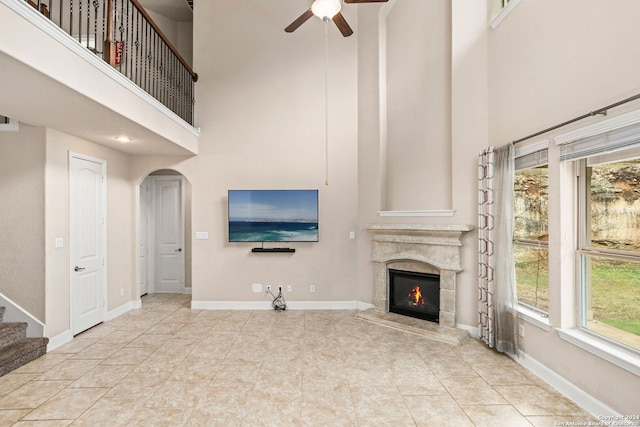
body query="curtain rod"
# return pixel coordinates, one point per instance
(602, 111)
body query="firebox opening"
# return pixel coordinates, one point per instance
(414, 294)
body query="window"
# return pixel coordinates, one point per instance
(8, 125)
(500, 9)
(606, 158)
(609, 247)
(531, 230)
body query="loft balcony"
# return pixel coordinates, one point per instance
(65, 65)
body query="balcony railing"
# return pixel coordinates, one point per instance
(124, 34)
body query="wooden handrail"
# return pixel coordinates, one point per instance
(110, 44)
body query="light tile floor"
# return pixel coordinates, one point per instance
(168, 365)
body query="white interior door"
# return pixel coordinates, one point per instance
(87, 241)
(169, 234)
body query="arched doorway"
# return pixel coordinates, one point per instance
(165, 227)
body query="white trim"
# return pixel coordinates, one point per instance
(534, 318)
(12, 126)
(136, 304)
(503, 13)
(15, 313)
(474, 331)
(531, 148)
(568, 389)
(625, 359)
(119, 311)
(59, 340)
(417, 213)
(606, 125)
(52, 30)
(103, 164)
(292, 305)
(67, 336)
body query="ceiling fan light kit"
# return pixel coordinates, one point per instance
(328, 10)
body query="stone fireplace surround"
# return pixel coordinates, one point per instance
(423, 248)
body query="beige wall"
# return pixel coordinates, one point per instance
(549, 62)
(449, 181)
(179, 33)
(22, 262)
(120, 235)
(418, 105)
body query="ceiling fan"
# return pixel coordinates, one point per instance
(328, 10)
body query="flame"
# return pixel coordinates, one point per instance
(415, 296)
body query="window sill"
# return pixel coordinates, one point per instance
(626, 359)
(533, 317)
(503, 13)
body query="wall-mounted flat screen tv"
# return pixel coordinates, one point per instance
(273, 215)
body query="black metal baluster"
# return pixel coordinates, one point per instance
(88, 45)
(137, 43)
(71, 18)
(80, 21)
(125, 60)
(147, 64)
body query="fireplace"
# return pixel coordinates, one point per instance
(427, 250)
(414, 294)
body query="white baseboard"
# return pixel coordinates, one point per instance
(67, 336)
(571, 391)
(291, 305)
(474, 332)
(60, 339)
(119, 311)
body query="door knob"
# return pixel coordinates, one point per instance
(78, 268)
(178, 250)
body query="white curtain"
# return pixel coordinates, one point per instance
(497, 303)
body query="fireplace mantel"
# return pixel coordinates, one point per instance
(435, 244)
(431, 246)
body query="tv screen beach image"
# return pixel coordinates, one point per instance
(273, 216)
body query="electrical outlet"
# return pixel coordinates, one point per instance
(256, 288)
(289, 288)
(521, 330)
(268, 288)
(312, 288)
(121, 292)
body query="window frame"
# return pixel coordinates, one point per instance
(569, 330)
(11, 126)
(501, 10)
(584, 247)
(527, 157)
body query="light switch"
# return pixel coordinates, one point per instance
(202, 235)
(59, 242)
(352, 235)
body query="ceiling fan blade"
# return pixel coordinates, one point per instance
(366, 1)
(301, 20)
(342, 25)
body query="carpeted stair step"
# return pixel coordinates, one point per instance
(21, 352)
(11, 332)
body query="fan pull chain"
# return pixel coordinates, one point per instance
(326, 101)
